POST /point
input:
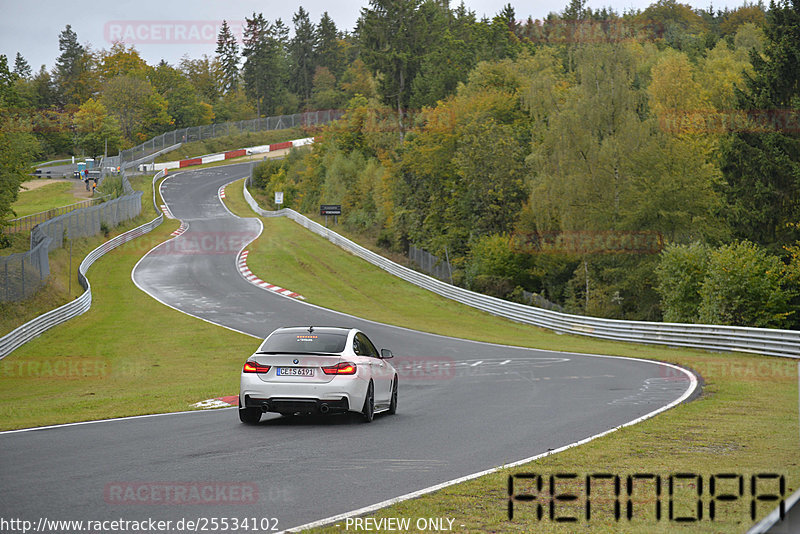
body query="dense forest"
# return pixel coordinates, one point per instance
(643, 165)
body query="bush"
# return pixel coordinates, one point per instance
(744, 287)
(491, 260)
(492, 285)
(680, 273)
(112, 186)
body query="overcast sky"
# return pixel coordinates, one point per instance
(168, 29)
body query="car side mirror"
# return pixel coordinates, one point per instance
(386, 354)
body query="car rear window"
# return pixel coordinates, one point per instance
(304, 342)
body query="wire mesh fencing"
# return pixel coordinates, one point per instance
(22, 224)
(87, 221)
(209, 131)
(430, 264)
(534, 299)
(24, 273)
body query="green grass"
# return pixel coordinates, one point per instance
(730, 428)
(127, 355)
(133, 355)
(44, 198)
(62, 284)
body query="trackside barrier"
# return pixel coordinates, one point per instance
(37, 326)
(785, 343)
(167, 141)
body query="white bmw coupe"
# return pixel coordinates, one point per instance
(317, 370)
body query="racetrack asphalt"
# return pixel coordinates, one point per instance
(489, 406)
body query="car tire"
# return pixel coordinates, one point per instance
(251, 416)
(393, 402)
(369, 404)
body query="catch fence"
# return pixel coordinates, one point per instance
(22, 224)
(132, 156)
(431, 264)
(24, 273)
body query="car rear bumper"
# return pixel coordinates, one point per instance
(293, 405)
(340, 394)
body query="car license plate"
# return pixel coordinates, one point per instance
(295, 371)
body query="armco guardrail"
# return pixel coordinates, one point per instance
(767, 341)
(37, 326)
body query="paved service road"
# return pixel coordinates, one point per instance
(488, 405)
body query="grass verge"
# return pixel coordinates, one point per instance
(62, 284)
(131, 355)
(127, 355)
(44, 198)
(731, 428)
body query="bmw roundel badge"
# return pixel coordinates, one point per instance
(295, 361)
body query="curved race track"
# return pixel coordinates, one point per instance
(493, 405)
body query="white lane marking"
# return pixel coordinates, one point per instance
(692, 383)
(350, 316)
(505, 362)
(476, 363)
(211, 404)
(413, 495)
(81, 423)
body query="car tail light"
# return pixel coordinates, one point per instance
(344, 368)
(254, 367)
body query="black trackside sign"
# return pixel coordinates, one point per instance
(330, 209)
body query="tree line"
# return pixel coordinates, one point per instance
(640, 166)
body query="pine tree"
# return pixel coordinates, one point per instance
(762, 168)
(228, 56)
(69, 66)
(328, 52)
(302, 53)
(21, 67)
(392, 37)
(265, 69)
